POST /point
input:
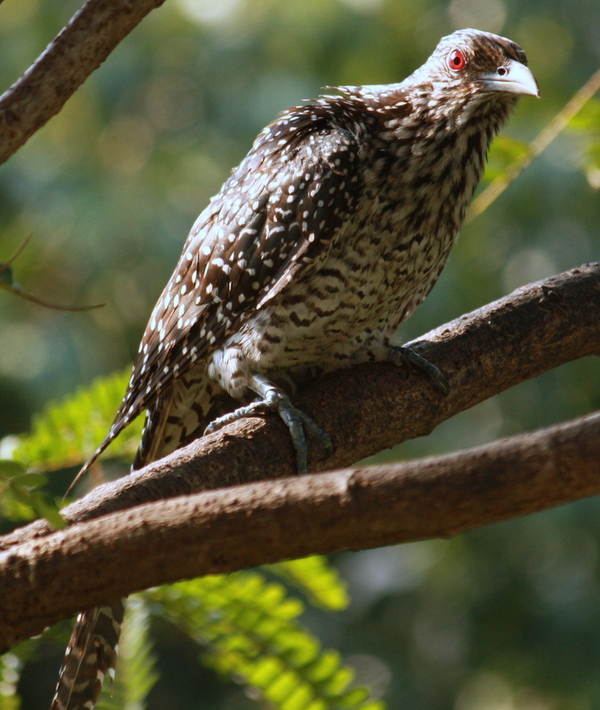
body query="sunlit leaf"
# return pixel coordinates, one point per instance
(505, 150)
(317, 578)
(251, 633)
(21, 497)
(10, 671)
(68, 432)
(9, 469)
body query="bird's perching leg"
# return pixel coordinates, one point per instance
(274, 399)
(403, 355)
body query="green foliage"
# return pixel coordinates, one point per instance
(248, 626)
(316, 578)
(250, 632)
(67, 432)
(10, 668)
(20, 498)
(135, 673)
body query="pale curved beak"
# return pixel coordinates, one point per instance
(513, 78)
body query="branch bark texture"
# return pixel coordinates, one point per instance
(373, 407)
(45, 580)
(45, 576)
(81, 46)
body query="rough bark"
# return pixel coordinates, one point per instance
(45, 580)
(369, 408)
(47, 575)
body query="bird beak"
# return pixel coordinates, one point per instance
(513, 78)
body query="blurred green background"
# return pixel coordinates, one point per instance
(505, 617)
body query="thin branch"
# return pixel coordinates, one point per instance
(372, 407)
(5, 265)
(16, 290)
(537, 146)
(8, 284)
(221, 531)
(81, 46)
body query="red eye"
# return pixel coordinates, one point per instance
(456, 60)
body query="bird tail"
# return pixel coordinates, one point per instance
(175, 416)
(92, 651)
(90, 656)
(122, 421)
(88, 464)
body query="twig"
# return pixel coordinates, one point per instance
(17, 291)
(20, 249)
(14, 288)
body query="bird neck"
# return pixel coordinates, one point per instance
(426, 165)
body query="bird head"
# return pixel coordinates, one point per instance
(477, 63)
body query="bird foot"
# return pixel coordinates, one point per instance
(274, 399)
(405, 356)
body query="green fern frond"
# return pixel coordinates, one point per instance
(10, 670)
(250, 631)
(66, 433)
(317, 578)
(135, 673)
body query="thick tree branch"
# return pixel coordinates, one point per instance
(369, 408)
(45, 576)
(43, 581)
(81, 46)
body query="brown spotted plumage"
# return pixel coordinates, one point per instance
(328, 235)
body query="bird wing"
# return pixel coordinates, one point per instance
(278, 213)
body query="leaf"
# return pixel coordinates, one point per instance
(250, 631)
(10, 671)
(587, 121)
(68, 432)
(561, 120)
(30, 479)
(46, 507)
(318, 579)
(9, 469)
(21, 500)
(505, 150)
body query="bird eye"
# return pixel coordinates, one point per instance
(456, 60)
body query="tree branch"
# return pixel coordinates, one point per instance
(376, 406)
(46, 576)
(80, 47)
(46, 580)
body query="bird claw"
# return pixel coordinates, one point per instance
(297, 421)
(405, 356)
